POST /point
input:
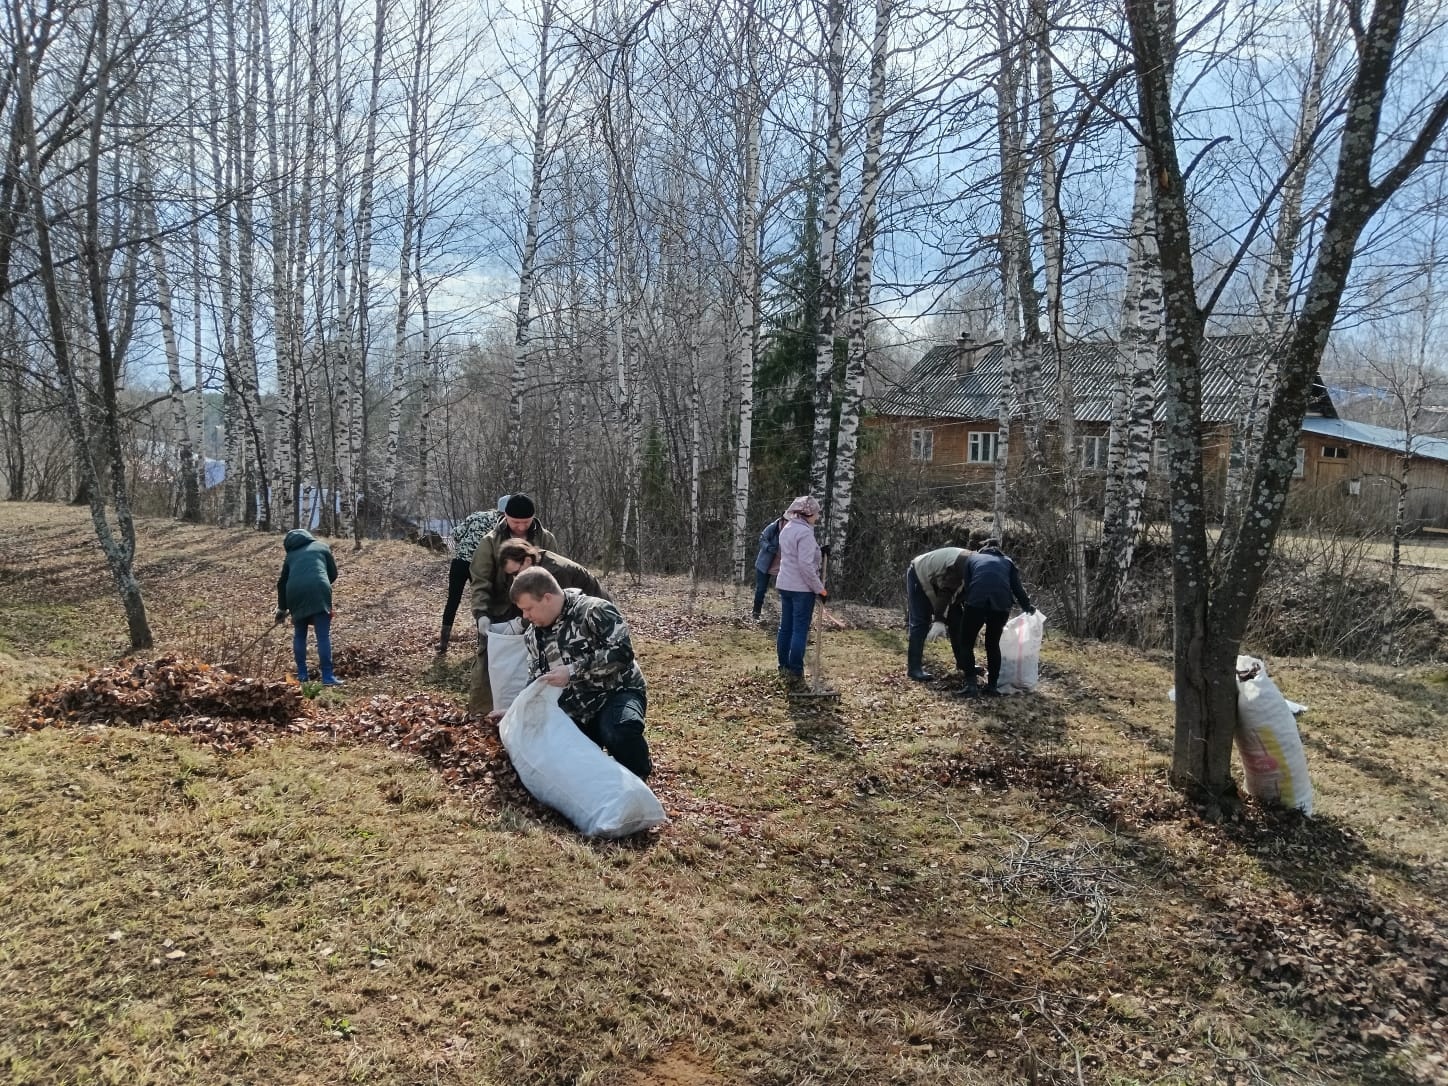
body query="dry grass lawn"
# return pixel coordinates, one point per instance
(899, 889)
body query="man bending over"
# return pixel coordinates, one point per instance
(581, 644)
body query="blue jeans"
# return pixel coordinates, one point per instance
(619, 729)
(761, 586)
(322, 622)
(795, 611)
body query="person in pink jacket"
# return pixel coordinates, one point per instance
(798, 583)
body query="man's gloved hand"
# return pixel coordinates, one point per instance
(937, 631)
(1031, 610)
(484, 625)
(558, 676)
(280, 617)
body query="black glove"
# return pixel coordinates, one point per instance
(281, 616)
(825, 550)
(1030, 608)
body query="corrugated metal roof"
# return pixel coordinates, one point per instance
(935, 387)
(1430, 448)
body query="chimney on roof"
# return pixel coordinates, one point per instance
(968, 352)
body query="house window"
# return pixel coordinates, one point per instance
(982, 449)
(1299, 467)
(922, 445)
(1334, 452)
(1093, 452)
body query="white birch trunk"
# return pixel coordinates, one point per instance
(847, 442)
(283, 505)
(191, 498)
(1058, 335)
(528, 257)
(357, 430)
(1275, 320)
(1011, 246)
(416, 126)
(751, 108)
(819, 471)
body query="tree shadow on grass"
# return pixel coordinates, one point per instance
(820, 722)
(1387, 775)
(1320, 938)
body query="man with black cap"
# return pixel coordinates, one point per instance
(490, 585)
(991, 581)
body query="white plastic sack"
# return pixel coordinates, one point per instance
(564, 769)
(507, 662)
(1021, 653)
(1273, 760)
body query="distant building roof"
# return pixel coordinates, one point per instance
(1426, 446)
(942, 385)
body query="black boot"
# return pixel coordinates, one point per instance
(915, 657)
(444, 639)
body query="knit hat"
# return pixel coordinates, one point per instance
(803, 506)
(518, 506)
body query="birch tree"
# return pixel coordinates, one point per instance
(1326, 30)
(1012, 245)
(848, 438)
(1211, 607)
(1128, 456)
(832, 180)
(1053, 232)
(91, 88)
(750, 104)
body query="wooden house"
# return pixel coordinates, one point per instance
(941, 421)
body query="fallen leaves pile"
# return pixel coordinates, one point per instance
(1378, 976)
(466, 751)
(358, 661)
(177, 696)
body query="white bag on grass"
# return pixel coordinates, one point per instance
(563, 768)
(1268, 742)
(507, 662)
(1021, 653)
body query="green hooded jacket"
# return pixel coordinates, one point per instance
(305, 586)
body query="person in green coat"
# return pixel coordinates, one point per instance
(305, 590)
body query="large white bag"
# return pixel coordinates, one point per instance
(507, 662)
(1273, 760)
(1021, 653)
(563, 768)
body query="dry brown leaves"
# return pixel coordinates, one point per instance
(1369, 973)
(1372, 971)
(176, 696)
(466, 751)
(357, 661)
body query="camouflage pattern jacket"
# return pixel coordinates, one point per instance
(591, 637)
(472, 528)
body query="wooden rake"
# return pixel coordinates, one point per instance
(819, 689)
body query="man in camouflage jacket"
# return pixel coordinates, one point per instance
(581, 644)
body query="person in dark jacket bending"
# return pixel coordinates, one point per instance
(305, 590)
(991, 582)
(516, 555)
